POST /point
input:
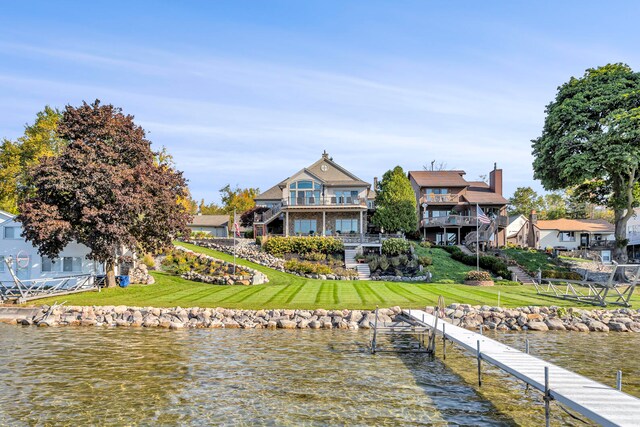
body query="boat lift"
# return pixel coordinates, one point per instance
(616, 290)
(21, 291)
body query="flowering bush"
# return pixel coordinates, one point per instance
(482, 276)
(395, 246)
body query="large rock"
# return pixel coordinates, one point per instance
(286, 324)
(617, 327)
(597, 326)
(555, 324)
(537, 326)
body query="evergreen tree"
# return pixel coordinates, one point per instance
(395, 203)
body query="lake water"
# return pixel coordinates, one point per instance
(120, 376)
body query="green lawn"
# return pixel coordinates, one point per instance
(289, 291)
(444, 268)
(532, 260)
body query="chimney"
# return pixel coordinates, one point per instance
(533, 217)
(495, 180)
(375, 183)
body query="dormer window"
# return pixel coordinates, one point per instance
(304, 193)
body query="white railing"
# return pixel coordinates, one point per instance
(440, 198)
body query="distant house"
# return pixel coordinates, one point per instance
(518, 230)
(27, 263)
(213, 225)
(321, 199)
(571, 234)
(447, 207)
(633, 235)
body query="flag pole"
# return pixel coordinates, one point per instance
(477, 239)
(233, 230)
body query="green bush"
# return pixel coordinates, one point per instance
(478, 275)
(395, 246)
(425, 261)
(384, 263)
(567, 275)
(373, 264)
(314, 256)
(259, 240)
(248, 234)
(426, 244)
(446, 281)
(279, 246)
(491, 263)
(307, 267)
(507, 283)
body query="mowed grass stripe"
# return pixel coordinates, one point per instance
(348, 293)
(323, 293)
(376, 296)
(308, 294)
(293, 291)
(243, 295)
(408, 295)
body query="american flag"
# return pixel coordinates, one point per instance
(481, 216)
(236, 227)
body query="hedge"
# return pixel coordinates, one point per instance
(302, 245)
(491, 263)
(395, 246)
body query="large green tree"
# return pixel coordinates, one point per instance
(40, 140)
(107, 190)
(525, 200)
(395, 203)
(591, 135)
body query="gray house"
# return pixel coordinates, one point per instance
(214, 225)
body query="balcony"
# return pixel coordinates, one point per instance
(459, 221)
(332, 201)
(431, 198)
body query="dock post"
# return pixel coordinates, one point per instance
(375, 333)
(547, 398)
(619, 381)
(444, 342)
(479, 364)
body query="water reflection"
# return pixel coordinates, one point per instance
(94, 376)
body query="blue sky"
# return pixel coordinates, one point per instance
(249, 92)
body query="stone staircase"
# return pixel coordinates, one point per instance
(350, 262)
(465, 250)
(521, 275)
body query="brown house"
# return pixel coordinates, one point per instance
(447, 206)
(322, 199)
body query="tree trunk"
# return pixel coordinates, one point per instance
(111, 274)
(620, 250)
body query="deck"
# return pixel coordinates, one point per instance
(600, 403)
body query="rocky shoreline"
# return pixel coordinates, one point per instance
(464, 315)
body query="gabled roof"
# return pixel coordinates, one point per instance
(452, 178)
(325, 171)
(591, 225)
(209, 220)
(274, 193)
(6, 215)
(483, 196)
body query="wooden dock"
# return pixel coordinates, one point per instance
(598, 402)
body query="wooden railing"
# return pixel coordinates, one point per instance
(267, 215)
(459, 221)
(440, 198)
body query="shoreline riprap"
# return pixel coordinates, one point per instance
(464, 315)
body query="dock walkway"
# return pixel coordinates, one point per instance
(600, 403)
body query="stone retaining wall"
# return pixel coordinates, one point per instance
(471, 317)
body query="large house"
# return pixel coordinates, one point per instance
(321, 199)
(27, 264)
(571, 234)
(448, 206)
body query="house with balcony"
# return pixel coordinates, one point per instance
(447, 207)
(322, 199)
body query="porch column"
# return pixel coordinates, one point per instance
(286, 223)
(361, 225)
(324, 223)
(446, 237)
(459, 241)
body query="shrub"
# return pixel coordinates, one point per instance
(149, 261)
(259, 240)
(478, 275)
(567, 275)
(491, 263)
(373, 264)
(248, 234)
(395, 262)
(507, 283)
(446, 281)
(302, 245)
(314, 256)
(347, 272)
(425, 261)
(307, 267)
(426, 244)
(403, 259)
(395, 246)
(384, 263)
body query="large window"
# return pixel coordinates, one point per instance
(304, 226)
(436, 191)
(568, 236)
(72, 264)
(347, 226)
(346, 197)
(50, 265)
(304, 193)
(11, 233)
(437, 214)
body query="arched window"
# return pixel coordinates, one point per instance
(304, 193)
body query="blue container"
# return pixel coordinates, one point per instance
(123, 281)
